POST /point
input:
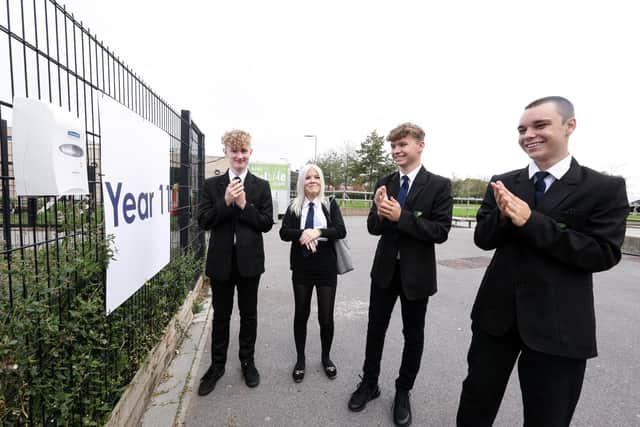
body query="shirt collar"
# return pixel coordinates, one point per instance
(242, 176)
(557, 171)
(412, 174)
(316, 202)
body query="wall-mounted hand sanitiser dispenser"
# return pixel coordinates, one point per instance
(48, 147)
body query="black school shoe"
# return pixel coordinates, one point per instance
(250, 373)
(298, 372)
(330, 369)
(365, 392)
(402, 408)
(209, 380)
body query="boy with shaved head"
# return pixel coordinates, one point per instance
(552, 225)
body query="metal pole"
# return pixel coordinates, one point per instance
(183, 179)
(315, 147)
(346, 175)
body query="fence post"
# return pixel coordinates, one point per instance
(32, 211)
(184, 202)
(200, 183)
(6, 197)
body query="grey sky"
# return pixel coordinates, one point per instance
(339, 69)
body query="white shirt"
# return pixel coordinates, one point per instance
(319, 220)
(411, 175)
(242, 176)
(556, 171)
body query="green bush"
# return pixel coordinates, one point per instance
(62, 361)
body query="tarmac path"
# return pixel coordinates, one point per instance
(611, 391)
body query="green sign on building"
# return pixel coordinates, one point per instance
(276, 174)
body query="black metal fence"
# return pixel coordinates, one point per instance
(62, 362)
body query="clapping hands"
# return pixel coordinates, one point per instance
(388, 207)
(235, 194)
(510, 205)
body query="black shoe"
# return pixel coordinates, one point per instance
(402, 408)
(298, 372)
(209, 380)
(329, 369)
(250, 373)
(365, 392)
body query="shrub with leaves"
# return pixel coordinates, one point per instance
(62, 360)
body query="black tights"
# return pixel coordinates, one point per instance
(326, 296)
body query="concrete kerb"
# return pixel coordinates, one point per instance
(133, 403)
(192, 379)
(631, 245)
(171, 396)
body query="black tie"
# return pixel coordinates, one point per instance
(233, 222)
(540, 185)
(404, 189)
(308, 223)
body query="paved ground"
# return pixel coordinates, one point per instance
(611, 393)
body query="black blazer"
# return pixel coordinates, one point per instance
(249, 223)
(425, 220)
(540, 276)
(290, 230)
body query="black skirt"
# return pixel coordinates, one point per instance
(317, 268)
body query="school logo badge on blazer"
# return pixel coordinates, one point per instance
(417, 214)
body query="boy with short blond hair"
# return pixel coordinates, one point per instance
(237, 208)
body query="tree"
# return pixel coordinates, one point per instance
(339, 168)
(362, 167)
(469, 187)
(331, 163)
(372, 161)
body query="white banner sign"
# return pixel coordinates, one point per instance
(135, 189)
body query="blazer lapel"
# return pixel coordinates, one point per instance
(223, 182)
(561, 188)
(327, 212)
(418, 185)
(248, 183)
(393, 185)
(524, 187)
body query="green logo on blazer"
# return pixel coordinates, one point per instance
(417, 214)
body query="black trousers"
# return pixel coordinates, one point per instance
(550, 385)
(381, 303)
(223, 291)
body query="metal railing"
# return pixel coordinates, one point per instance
(46, 53)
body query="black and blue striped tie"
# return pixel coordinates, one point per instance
(540, 185)
(404, 190)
